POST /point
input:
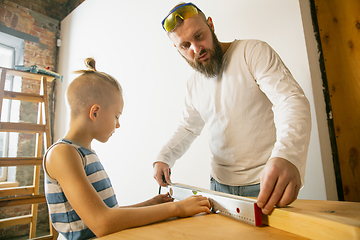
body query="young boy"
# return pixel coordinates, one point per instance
(81, 200)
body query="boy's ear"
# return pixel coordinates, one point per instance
(94, 112)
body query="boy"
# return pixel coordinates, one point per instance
(81, 201)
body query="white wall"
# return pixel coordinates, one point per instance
(127, 41)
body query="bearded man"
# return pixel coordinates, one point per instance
(257, 114)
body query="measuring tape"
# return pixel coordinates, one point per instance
(240, 208)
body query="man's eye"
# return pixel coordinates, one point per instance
(185, 46)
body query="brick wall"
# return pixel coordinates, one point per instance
(56, 9)
(44, 55)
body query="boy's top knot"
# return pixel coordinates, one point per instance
(91, 87)
(90, 64)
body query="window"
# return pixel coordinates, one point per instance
(11, 54)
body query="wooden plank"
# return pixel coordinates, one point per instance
(314, 219)
(21, 127)
(17, 201)
(16, 191)
(8, 222)
(339, 27)
(28, 97)
(20, 161)
(29, 75)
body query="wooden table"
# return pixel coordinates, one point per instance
(203, 226)
(303, 219)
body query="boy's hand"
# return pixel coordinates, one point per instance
(192, 206)
(162, 169)
(161, 198)
(279, 184)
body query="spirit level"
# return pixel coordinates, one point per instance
(239, 208)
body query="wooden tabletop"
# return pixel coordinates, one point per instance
(303, 219)
(203, 226)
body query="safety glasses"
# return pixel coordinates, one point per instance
(183, 11)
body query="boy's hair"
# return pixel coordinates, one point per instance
(91, 87)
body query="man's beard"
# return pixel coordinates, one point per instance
(211, 67)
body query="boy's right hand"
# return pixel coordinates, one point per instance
(162, 169)
(192, 206)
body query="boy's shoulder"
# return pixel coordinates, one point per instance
(62, 156)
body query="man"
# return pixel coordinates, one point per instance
(257, 114)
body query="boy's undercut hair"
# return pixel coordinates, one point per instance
(91, 87)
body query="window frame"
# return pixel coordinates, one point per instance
(17, 45)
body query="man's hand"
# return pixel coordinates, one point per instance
(162, 169)
(279, 184)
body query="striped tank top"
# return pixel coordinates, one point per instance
(63, 216)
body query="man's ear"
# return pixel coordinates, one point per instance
(210, 23)
(94, 112)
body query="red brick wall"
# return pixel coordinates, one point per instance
(46, 29)
(56, 9)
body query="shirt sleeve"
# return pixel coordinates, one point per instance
(190, 127)
(290, 106)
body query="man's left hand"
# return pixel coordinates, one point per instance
(279, 184)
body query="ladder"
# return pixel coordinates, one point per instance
(27, 195)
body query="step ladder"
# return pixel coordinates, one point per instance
(28, 194)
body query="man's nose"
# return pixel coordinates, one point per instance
(196, 48)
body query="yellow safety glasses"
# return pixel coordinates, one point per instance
(183, 11)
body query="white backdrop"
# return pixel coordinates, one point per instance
(127, 41)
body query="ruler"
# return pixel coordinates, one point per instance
(240, 208)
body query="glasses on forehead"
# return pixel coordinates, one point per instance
(183, 11)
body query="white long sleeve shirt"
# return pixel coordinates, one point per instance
(254, 110)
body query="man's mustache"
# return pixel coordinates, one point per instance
(197, 56)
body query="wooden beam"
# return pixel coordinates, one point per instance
(16, 191)
(339, 26)
(21, 127)
(313, 219)
(28, 75)
(8, 222)
(28, 97)
(17, 201)
(18, 161)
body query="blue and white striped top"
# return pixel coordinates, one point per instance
(63, 216)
